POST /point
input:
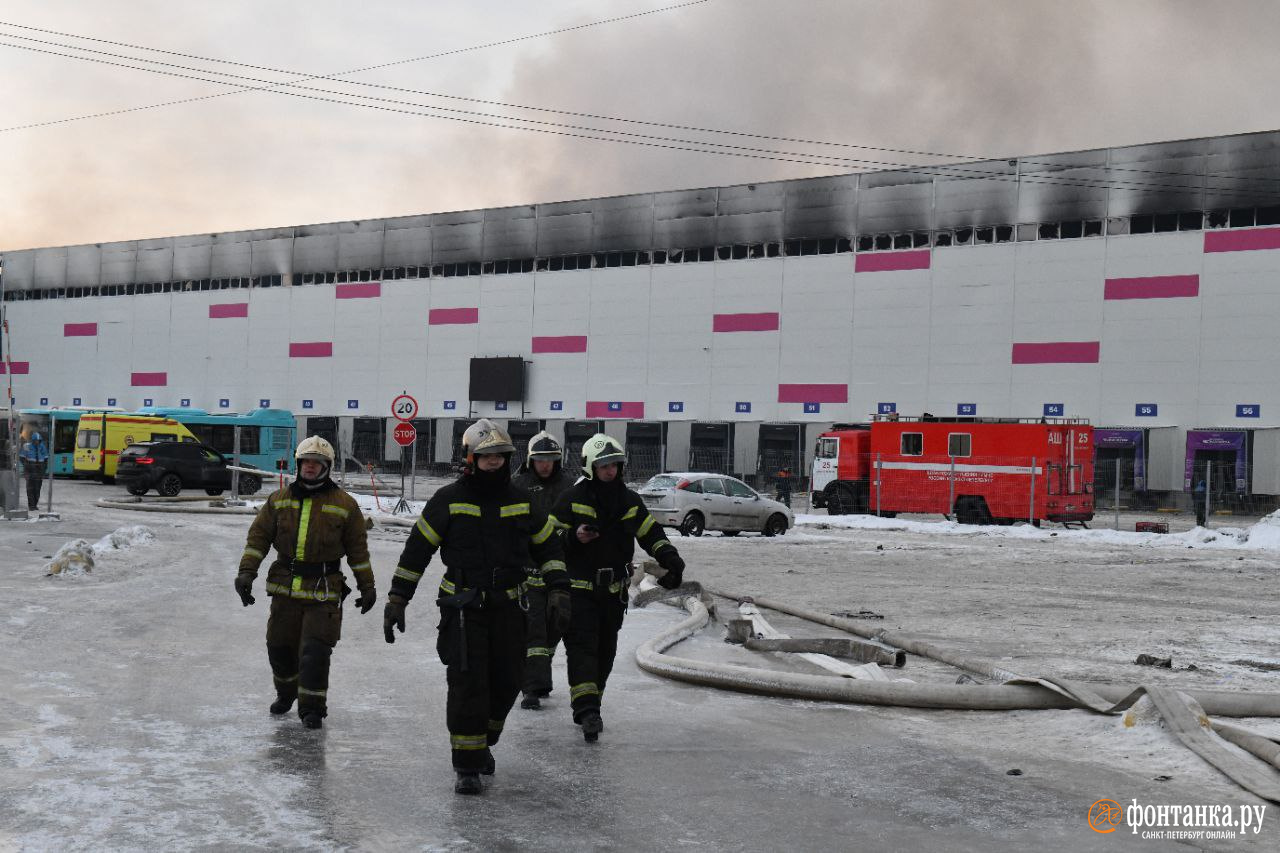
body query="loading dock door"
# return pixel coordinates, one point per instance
(644, 450)
(576, 434)
(780, 446)
(711, 447)
(521, 431)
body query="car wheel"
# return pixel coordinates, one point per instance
(214, 491)
(776, 525)
(138, 491)
(250, 484)
(693, 524)
(729, 532)
(170, 485)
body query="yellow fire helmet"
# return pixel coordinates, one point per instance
(484, 436)
(600, 449)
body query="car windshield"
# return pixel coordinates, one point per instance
(661, 481)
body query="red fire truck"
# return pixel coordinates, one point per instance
(979, 470)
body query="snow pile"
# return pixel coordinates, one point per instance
(1264, 535)
(77, 556)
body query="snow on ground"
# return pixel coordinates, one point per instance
(134, 713)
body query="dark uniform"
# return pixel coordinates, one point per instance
(487, 535)
(311, 531)
(542, 636)
(598, 577)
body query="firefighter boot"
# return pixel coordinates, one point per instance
(592, 725)
(531, 702)
(489, 766)
(312, 720)
(468, 782)
(284, 672)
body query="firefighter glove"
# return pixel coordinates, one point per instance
(392, 617)
(558, 609)
(244, 583)
(674, 565)
(368, 596)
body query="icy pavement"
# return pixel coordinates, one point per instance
(134, 702)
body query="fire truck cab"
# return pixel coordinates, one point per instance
(979, 470)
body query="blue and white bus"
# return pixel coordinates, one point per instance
(267, 436)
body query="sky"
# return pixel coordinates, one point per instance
(967, 79)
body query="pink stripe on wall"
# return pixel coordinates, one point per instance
(452, 316)
(765, 322)
(360, 290)
(79, 330)
(1244, 240)
(149, 379)
(1152, 287)
(560, 343)
(810, 393)
(228, 309)
(19, 368)
(1057, 352)
(614, 409)
(314, 349)
(889, 262)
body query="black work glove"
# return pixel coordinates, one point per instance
(558, 609)
(367, 598)
(674, 565)
(392, 616)
(244, 583)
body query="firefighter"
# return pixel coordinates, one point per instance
(488, 533)
(312, 523)
(603, 520)
(544, 479)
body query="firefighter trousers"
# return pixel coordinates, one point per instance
(35, 472)
(591, 644)
(540, 643)
(482, 649)
(300, 640)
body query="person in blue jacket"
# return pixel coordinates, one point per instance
(34, 454)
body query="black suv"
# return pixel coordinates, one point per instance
(170, 466)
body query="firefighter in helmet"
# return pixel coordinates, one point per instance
(312, 523)
(488, 533)
(544, 479)
(604, 520)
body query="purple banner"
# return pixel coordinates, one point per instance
(1125, 439)
(1203, 439)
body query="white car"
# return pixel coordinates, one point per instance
(693, 503)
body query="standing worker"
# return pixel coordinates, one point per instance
(1198, 498)
(488, 533)
(604, 519)
(544, 479)
(35, 457)
(312, 523)
(784, 485)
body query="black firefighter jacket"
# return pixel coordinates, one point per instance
(487, 540)
(622, 519)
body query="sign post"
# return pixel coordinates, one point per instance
(404, 409)
(405, 435)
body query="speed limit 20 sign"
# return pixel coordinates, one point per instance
(404, 408)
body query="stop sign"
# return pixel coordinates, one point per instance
(404, 433)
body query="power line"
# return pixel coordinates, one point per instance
(582, 132)
(454, 52)
(306, 76)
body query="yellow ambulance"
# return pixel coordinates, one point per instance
(102, 435)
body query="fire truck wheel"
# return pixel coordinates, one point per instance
(835, 502)
(693, 524)
(776, 525)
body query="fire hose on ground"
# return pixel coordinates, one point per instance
(1185, 712)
